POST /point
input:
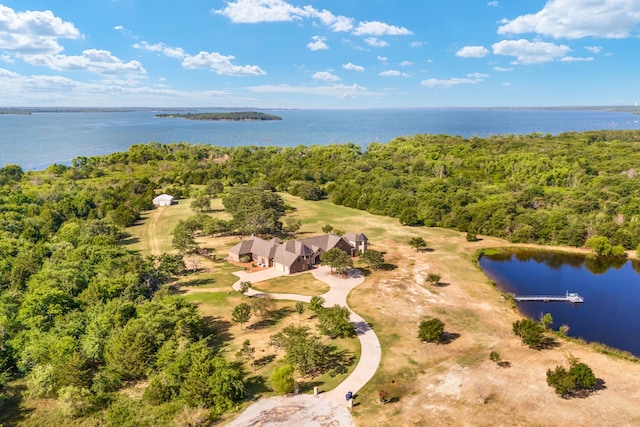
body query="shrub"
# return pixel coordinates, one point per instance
(431, 330)
(282, 379)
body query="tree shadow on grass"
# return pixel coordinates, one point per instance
(385, 266)
(449, 337)
(264, 361)
(219, 328)
(12, 413)
(548, 342)
(272, 318)
(584, 393)
(440, 285)
(255, 386)
(198, 282)
(129, 240)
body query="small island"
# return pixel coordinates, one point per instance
(234, 116)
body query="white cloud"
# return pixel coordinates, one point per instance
(472, 52)
(575, 19)
(393, 73)
(503, 69)
(575, 59)
(338, 90)
(406, 63)
(527, 52)
(594, 49)
(318, 43)
(171, 52)
(374, 42)
(325, 76)
(336, 23)
(469, 79)
(62, 91)
(376, 28)
(353, 67)
(33, 32)
(382, 58)
(493, 3)
(220, 64)
(101, 62)
(254, 11)
(416, 44)
(118, 28)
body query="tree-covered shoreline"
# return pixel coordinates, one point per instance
(232, 117)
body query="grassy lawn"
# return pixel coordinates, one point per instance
(427, 384)
(302, 284)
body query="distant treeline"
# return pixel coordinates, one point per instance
(234, 116)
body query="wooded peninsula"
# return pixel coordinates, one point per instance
(233, 116)
(83, 317)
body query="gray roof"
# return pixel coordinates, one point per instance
(286, 253)
(356, 237)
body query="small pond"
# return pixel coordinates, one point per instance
(610, 313)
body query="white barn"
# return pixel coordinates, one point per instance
(163, 200)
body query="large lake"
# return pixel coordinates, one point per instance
(38, 140)
(609, 314)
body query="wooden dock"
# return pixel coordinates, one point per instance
(568, 297)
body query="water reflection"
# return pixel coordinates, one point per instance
(610, 289)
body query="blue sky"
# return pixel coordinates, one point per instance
(319, 53)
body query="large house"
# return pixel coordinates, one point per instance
(294, 256)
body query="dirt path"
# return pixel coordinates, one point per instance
(153, 244)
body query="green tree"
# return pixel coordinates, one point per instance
(334, 322)
(244, 287)
(530, 331)
(212, 382)
(282, 379)
(214, 188)
(241, 314)
(300, 309)
(431, 330)
(546, 320)
(327, 228)
(418, 243)
(255, 211)
(130, 351)
(337, 259)
(183, 239)
(373, 258)
(494, 356)
(302, 349)
(579, 379)
(201, 203)
(316, 303)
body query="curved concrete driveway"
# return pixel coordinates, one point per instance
(370, 353)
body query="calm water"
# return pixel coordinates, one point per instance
(38, 140)
(611, 294)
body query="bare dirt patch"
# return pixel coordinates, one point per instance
(301, 410)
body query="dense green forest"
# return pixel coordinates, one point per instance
(82, 317)
(234, 116)
(525, 188)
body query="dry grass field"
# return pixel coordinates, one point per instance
(454, 383)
